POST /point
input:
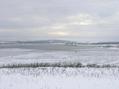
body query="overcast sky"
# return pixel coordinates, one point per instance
(80, 20)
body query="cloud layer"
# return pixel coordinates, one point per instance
(80, 20)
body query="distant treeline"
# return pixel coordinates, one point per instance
(56, 41)
(65, 65)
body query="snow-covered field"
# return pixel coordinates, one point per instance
(54, 77)
(85, 56)
(59, 78)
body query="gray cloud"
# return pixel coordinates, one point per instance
(82, 20)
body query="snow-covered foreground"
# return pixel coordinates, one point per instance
(59, 78)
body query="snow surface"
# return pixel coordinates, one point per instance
(59, 78)
(85, 56)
